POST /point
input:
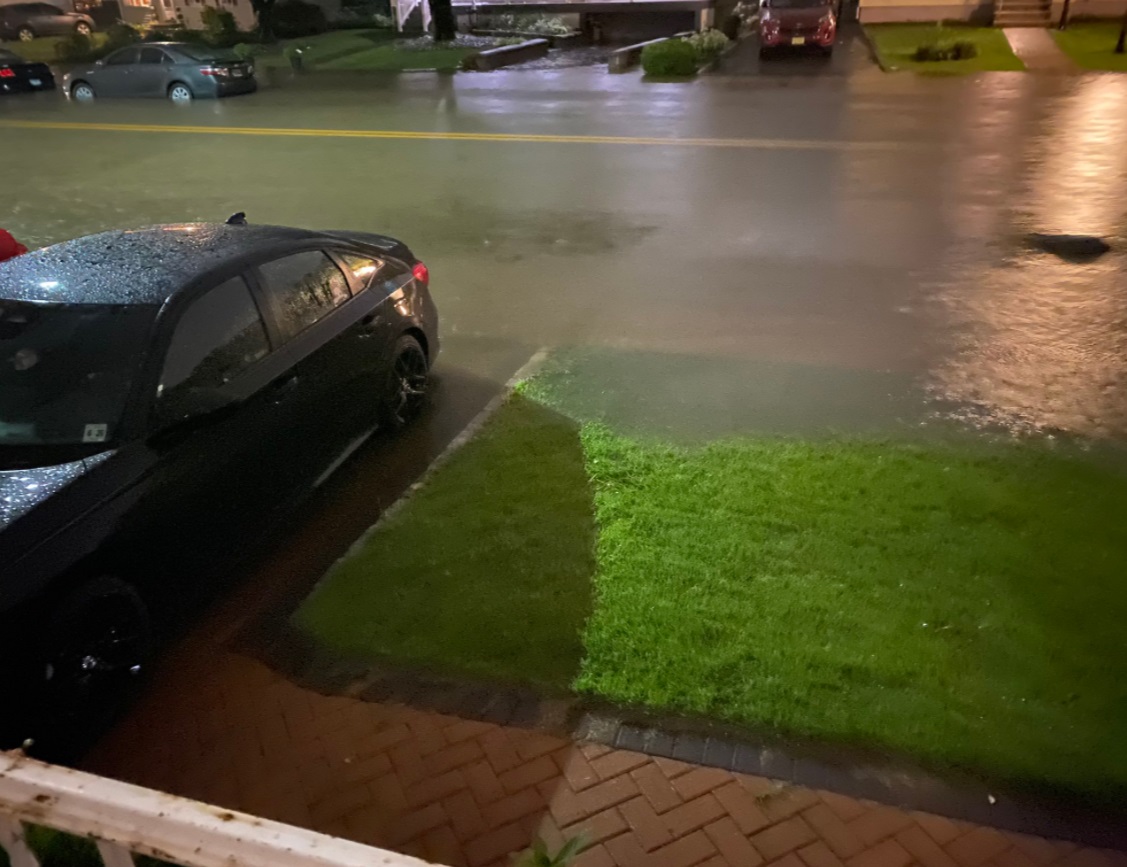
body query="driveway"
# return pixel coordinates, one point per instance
(851, 56)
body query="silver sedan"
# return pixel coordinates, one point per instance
(172, 70)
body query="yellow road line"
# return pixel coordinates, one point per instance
(746, 143)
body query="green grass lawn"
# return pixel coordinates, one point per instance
(42, 50)
(323, 48)
(55, 849)
(1092, 45)
(896, 43)
(960, 602)
(500, 591)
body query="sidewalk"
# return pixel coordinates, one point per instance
(1038, 50)
(224, 729)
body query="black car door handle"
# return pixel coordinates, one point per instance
(280, 388)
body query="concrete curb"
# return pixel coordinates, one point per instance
(506, 55)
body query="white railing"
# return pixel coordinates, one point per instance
(123, 819)
(402, 10)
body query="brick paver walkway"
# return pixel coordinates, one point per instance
(224, 729)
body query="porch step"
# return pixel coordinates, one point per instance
(1023, 13)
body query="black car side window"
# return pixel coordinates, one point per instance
(219, 336)
(304, 287)
(369, 272)
(151, 56)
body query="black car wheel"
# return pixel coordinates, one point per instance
(82, 92)
(25, 34)
(405, 390)
(94, 647)
(82, 28)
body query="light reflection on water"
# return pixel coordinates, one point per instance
(1036, 344)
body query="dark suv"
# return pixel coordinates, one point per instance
(26, 21)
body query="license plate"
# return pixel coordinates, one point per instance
(238, 73)
(34, 82)
(798, 40)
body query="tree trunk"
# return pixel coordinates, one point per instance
(442, 14)
(1122, 43)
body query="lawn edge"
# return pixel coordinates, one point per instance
(526, 370)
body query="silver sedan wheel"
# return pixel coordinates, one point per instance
(83, 28)
(82, 92)
(180, 93)
(26, 34)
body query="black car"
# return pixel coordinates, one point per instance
(19, 76)
(163, 393)
(26, 21)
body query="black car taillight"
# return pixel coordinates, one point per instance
(421, 273)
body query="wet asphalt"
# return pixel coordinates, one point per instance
(858, 221)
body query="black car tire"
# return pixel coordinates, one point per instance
(83, 28)
(92, 650)
(404, 391)
(178, 91)
(82, 91)
(25, 34)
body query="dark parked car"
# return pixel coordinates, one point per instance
(19, 76)
(798, 24)
(163, 393)
(26, 21)
(177, 71)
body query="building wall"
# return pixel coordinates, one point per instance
(192, 12)
(881, 11)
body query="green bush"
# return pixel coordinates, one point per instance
(247, 51)
(177, 34)
(219, 26)
(673, 57)
(295, 18)
(708, 44)
(540, 25)
(933, 52)
(120, 34)
(75, 48)
(56, 849)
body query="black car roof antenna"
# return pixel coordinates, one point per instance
(239, 219)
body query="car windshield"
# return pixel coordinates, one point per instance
(66, 371)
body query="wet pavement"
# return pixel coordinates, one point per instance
(863, 221)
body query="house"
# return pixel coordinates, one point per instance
(1034, 12)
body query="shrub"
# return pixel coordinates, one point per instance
(74, 48)
(932, 52)
(246, 51)
(541, 25)
(671, 57)
(177, 34)
(383, 22)
(294, 18)
(708, 44)
(119, 34)
(219, 26)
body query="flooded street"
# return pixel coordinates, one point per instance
(868, 231)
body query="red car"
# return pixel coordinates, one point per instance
(797, 23)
